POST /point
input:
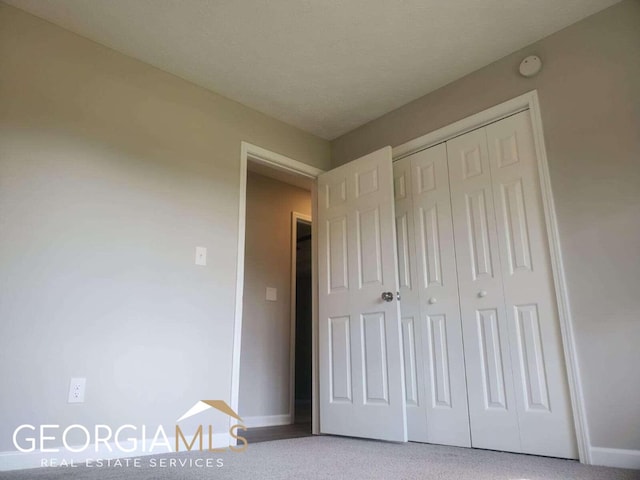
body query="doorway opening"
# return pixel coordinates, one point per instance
(301, 311)
(300, 347)
(274, 367)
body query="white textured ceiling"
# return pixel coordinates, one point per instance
(326, 66)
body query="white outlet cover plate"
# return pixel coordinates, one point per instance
(76, 390)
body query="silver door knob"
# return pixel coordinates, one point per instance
(482, 293)
(432, 300)
(387, 296)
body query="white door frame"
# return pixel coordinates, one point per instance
(282, 163)
(295, 216)
(529, 101)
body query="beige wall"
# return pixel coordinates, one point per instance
(266, 325)
(111, 173)
(589, 92)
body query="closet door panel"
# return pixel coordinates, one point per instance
(362, 392)
(541, 388)
(492, 405)
(441, 328)
(412, 348)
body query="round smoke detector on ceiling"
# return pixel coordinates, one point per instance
(530, 66)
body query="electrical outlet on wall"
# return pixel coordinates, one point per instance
(76, 390)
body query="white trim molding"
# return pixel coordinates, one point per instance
(529, 102)
(278, 161)
(315, 345)
(267, 421)
(493, 114)
(615, 457)
(283, 163)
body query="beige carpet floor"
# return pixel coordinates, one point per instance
(334, 458)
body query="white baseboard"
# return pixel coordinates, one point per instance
(267, 421)
(16, 460)
(615, 457)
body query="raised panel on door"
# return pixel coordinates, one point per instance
(437, 284)
(340, 359)
(361, 364)
(414, 370)
(492, 406)
(541, 390)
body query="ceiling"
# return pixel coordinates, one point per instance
(325, 66)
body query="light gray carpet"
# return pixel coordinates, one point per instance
(342, 458)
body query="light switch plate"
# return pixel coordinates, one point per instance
(201, 256)
(272, 294)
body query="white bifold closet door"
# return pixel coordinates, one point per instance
(518, 392)
(432, 335)
(486, 354)
(360, 349)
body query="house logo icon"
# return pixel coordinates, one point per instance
(203, 405)
(205, 433)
